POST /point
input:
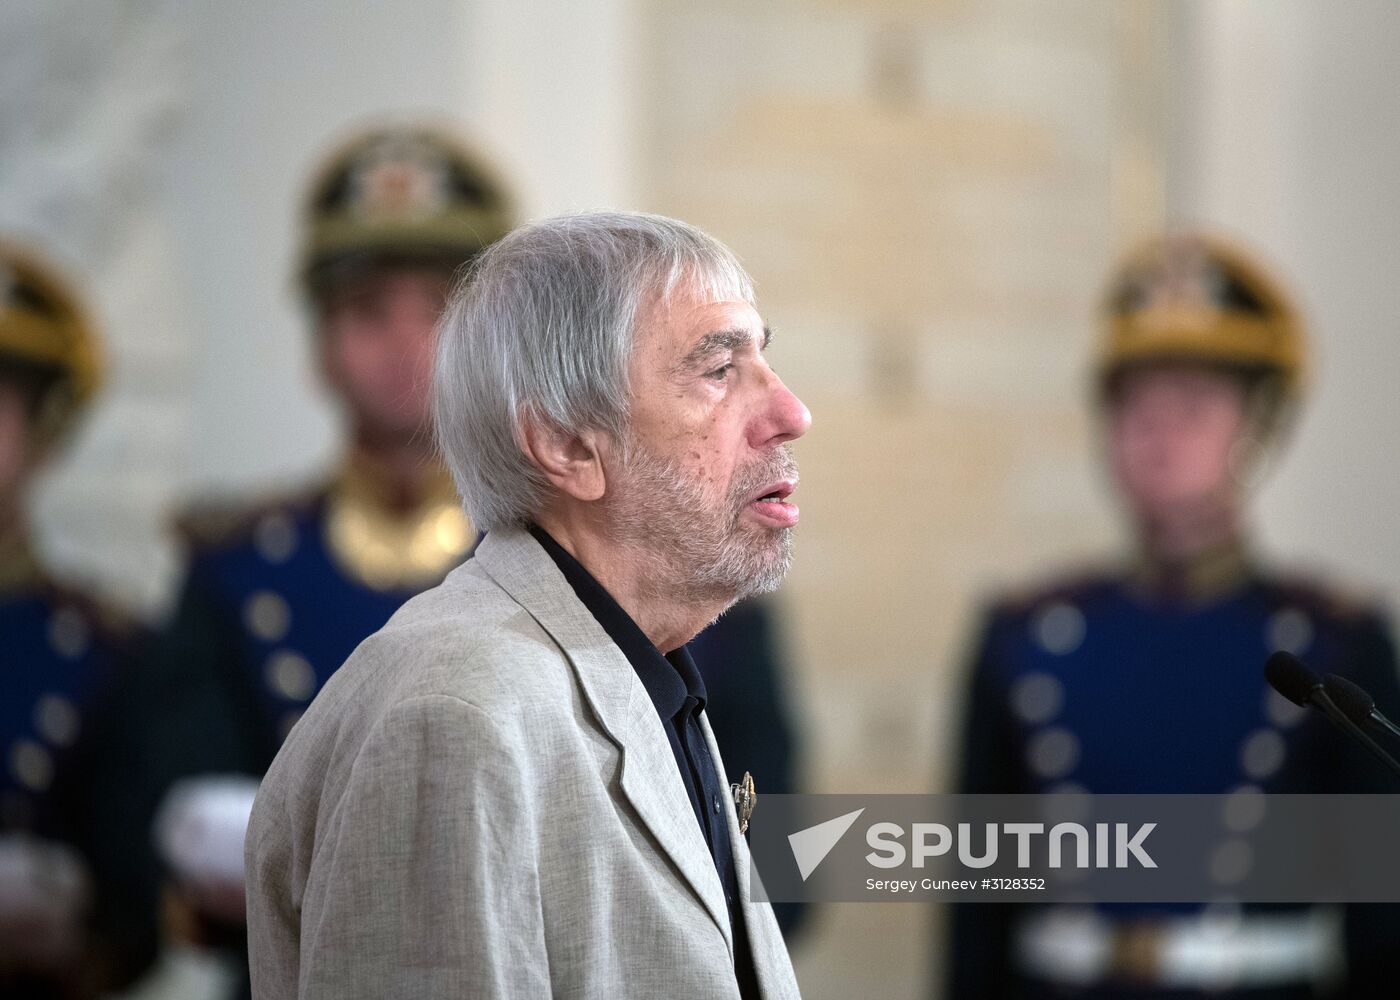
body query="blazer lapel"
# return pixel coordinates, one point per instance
(650, 780)
(770, 957)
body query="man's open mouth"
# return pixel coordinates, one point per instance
(771, 505)
(779, 493)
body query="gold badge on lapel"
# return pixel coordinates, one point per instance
(745, 798)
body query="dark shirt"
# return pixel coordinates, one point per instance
(678, 693)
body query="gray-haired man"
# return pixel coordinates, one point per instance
(509, 790)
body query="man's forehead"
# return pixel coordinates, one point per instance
(679, 326)
(1176, 383)
(1179, 374)
(687, 307)
(385, 281)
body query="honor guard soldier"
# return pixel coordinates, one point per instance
(279, 591)
(1095, 682)
(60, 880)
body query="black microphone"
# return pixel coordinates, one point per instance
(1290, 678)
(1357, 705)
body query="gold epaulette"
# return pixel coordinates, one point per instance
(1326, 597)
(222, 522)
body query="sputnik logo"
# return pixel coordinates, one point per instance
(811, 846)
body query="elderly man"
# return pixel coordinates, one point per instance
(511, 790)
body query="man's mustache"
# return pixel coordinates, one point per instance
(781, 464)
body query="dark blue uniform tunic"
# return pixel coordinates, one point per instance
(64, 777)
(1104, 686)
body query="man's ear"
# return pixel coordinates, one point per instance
(571, 460)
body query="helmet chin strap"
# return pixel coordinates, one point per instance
(53, 416)
(1254, 454)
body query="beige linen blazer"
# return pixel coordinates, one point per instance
(482, 802)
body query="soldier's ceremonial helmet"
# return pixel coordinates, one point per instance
(1195, 298)
(405, 194)
(47, 342)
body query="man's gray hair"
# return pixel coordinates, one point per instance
(542, 325)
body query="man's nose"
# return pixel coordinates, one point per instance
(785, 417)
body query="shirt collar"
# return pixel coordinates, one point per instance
(670, 679)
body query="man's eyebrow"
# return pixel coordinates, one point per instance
(717, 341)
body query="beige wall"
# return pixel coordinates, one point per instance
(928, 196)
(1290, 137)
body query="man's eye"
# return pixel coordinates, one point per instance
(720, 373)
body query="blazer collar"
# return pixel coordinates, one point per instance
(766, 942)
(518, 563)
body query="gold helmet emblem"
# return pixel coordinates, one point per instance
(401, 179)
(46, 337)
(400, 193)
(1194, 298)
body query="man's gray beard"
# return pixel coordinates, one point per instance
(691, 549)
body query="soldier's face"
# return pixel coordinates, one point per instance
(376, 343)
(710, 426)
(1174, 436)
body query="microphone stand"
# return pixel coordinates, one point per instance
(1318, 696)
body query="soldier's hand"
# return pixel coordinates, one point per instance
(45, 894)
